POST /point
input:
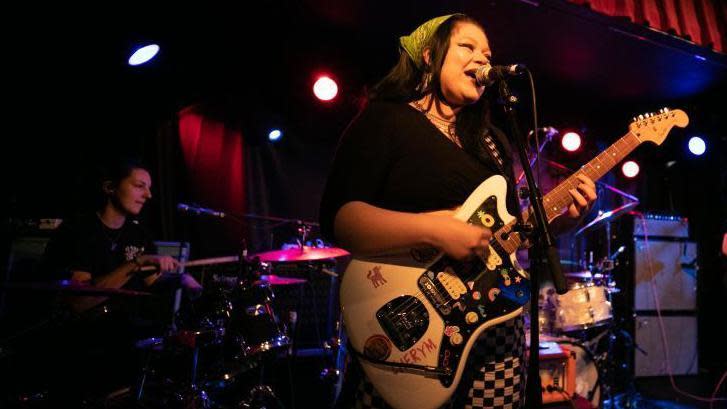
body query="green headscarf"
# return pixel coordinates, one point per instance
(415, 42)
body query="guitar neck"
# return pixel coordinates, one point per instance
(559, 198)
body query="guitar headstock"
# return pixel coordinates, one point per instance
(655, 127)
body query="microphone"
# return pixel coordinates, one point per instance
(198, 211)
(489, 74)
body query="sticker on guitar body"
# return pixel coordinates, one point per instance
(418, 352)
(377, 279)
(377, 347)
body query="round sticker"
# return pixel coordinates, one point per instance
(377, 347)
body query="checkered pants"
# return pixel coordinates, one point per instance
(493, 378)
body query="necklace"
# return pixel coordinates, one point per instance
(445, 126)
(113, 239)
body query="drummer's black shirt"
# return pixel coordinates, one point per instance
(84, 243)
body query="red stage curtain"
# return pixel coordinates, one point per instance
(702, 21)
(213, 154)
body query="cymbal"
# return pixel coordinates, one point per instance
(273, 279)
(304, 253)
(606, 217)
(73, 288)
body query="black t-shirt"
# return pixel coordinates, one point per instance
(84, 243)
(391, 156)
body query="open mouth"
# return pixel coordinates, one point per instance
(472, 74)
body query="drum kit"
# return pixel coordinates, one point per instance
(216, 346)
(229, 336)
(215, 349)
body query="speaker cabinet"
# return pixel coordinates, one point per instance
(665, 274)
(669, 269)
(681, 342)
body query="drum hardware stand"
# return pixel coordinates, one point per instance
(337, 347)
(260, 393)
(544, 245)
(630, 398)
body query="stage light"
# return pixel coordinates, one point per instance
(143, 54)
(275, 134)
(571, 141)
(697, 146)
(630, 169)
(325, 88)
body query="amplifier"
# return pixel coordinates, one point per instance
(662, 226)
(668, 268)
(557, 372)
(681, 341)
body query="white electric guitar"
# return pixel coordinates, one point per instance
(412, 322)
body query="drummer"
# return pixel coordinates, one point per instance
(107, 248)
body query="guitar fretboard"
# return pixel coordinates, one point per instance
(559, 198)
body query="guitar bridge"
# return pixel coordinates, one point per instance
(405, 320)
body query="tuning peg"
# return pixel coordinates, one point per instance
(641, 117)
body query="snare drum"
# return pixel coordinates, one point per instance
(585, 305)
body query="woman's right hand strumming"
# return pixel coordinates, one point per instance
(458, 239)
(365, 229)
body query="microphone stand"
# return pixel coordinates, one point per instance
(543, 243)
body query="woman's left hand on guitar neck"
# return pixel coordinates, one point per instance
(584, 195)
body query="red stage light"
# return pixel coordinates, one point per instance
(630, 169)
(325, 88)
(571, 141)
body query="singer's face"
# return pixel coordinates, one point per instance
(468, 50)
(133, 191)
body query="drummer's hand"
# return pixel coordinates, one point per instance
(583, 197)
(166, 264)
(458, 239)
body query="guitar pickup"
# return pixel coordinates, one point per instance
(454, 286)
(435, 296)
